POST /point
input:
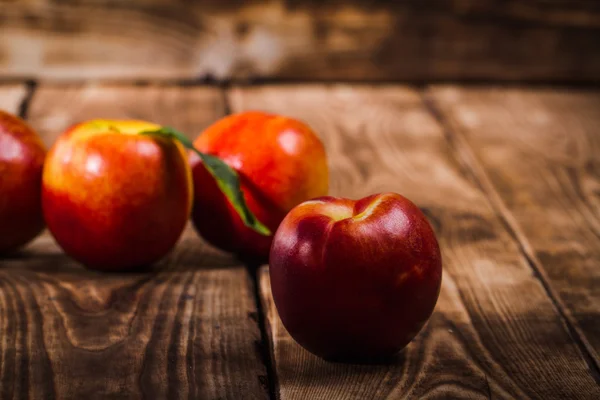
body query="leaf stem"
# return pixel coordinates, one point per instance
(226, 178)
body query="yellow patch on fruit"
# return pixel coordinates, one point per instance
(335, 211)
(402, 277)
(98, 126)
(72, 162)
(369, 209)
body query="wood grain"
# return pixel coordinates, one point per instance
(188, 109)
(11, 97)
(495, 332)
(184, 329)
(301, 39)
(539, 150)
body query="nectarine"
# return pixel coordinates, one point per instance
(21, 160)
(355, 280)
(114, 198)
(281, 162)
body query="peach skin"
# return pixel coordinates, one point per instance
(21, 160)
(280, 161)
(113, 198)
(355, 280)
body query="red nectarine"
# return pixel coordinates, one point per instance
(21, 160)
(355, 280)
(114, 198)
(280, 161)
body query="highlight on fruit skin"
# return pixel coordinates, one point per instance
(355, 280)
(22, 156)
(115, 199)
(281, 162)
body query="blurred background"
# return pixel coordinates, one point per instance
(351, 40)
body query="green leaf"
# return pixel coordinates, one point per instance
(226, 177)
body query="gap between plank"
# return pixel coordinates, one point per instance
(266, 344)
(224, 89)
(30, 87)
(272, 385)
(209, 80)
(464, 154)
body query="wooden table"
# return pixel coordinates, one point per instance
(509, 178)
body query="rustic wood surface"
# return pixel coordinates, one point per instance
(508, 178)
(529, 40)
(495, 332)
(187, 329)
(11, 97)
(544, 170)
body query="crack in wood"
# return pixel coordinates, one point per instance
(30, 87)
(266, 349)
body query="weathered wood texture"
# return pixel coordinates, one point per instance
(11, 97)
(538, 152)
(495, 332)
(299, 39)
(186, 329)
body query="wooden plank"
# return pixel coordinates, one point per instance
(495, 332)
(302, 39)
(55, 107)
(11, 97)
(187, 329)
(538, 154)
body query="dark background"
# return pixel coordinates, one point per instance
(525, 41)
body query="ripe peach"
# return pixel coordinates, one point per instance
(281, 163)
(21, 160)
(115, 199)
(355, 280)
